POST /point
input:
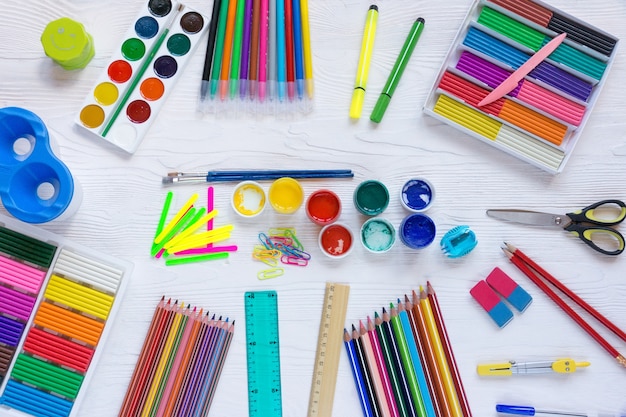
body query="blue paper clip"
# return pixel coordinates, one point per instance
(458, 241)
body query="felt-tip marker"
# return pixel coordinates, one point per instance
(520, 410)
(367, 46)
(397, 70)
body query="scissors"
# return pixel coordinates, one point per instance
(587, 224)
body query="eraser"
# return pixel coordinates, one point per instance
(509, 289)
(492, 304)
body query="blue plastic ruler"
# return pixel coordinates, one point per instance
(329, 344)
(263, 354)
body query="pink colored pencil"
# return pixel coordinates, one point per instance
(382, 369)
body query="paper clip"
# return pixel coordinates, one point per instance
(270, 273)
(266, 241)
(298, 253)
(561, 366)
(296, 243)
(294, 260)
(280, 231)
(281, 240)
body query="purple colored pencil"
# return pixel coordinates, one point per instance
(245, 50)
(218, 372)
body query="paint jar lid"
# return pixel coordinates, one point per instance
(323, 207)
(378, 235)
(286, 195)
(336, 240)
(417, 231)
(248, 199)
(67, 43)
(371, 197)
(417, 195)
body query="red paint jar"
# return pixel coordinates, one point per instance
(336, 240)
(323, 207)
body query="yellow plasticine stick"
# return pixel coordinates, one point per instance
(176, 218)
(191, 228)
(200, 237)
(199, 242)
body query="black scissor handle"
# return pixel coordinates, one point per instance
(587, 215)
(612, 240)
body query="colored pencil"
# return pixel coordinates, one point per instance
(406, 361)
(373, 367)
(418, 364)
(447, 346)
(439, 393)
(357, 373)
(442, 362)
(382, 369)
(527, 265)
(220, 366)
(401, 400)
(397, 364)
(367, 375)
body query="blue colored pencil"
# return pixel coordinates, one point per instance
(349, 343)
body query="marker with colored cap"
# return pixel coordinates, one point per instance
(397, 70)
(367, 46)
(520, 410)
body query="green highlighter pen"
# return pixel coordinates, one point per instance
(397, 70)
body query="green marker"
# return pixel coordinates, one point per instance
(397, 70)
(219, 48)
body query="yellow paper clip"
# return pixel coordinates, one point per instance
(561, 366)
(270, 273)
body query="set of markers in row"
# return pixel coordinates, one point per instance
(57, 302)
(258, 56)
(541, 118)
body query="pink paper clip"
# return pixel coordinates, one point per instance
(294, 260)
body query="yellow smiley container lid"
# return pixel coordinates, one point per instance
(67, 43)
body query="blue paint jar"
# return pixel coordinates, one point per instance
(417, 231)
(417, 195)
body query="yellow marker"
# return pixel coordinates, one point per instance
(306, 48)
(367, 46)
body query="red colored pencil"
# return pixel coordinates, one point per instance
(382, 370)
(514, 255)
(558, 284)
(447, 347)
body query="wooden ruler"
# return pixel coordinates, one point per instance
(329, 343)
(263, 354)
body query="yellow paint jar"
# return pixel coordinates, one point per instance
(286, 195)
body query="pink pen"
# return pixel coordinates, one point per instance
(263, 49)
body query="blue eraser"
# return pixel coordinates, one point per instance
(509, 289)
(499, 312)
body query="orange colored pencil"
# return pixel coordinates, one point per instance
(445, 339)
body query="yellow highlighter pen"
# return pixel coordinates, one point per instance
(367, 46)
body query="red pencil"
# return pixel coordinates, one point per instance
(447, 347)
(516, 257)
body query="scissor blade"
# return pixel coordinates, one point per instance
(534, 218)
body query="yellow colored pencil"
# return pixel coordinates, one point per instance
(442, 362)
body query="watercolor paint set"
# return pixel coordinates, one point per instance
(542, 118)
(57, 301)
(141, 73)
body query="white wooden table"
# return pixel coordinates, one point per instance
(123, 196)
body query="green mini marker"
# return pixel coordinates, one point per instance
(397, 70)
